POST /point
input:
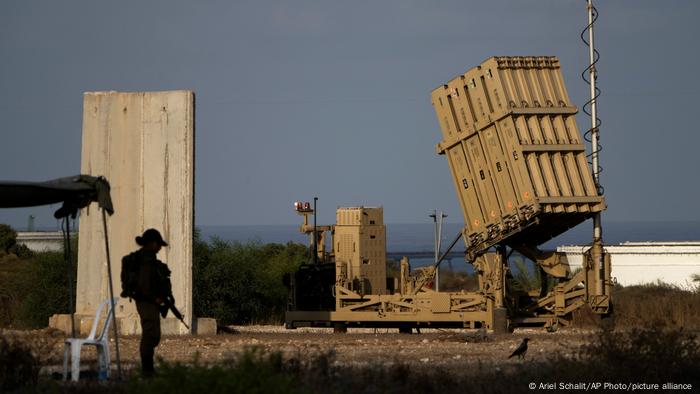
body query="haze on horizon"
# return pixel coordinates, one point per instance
(332, 99)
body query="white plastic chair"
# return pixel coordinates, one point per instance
(101, 343)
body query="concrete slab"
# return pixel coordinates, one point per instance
(205, 326)
(143, 143)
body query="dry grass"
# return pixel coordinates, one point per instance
(651, 305)
(615, 356)
(659, 305)
(22, 356)
(663, 356)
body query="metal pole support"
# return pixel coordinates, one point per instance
(597, 250)
(111, 297)
(315, 234)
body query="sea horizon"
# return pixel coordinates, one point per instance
(419, 237)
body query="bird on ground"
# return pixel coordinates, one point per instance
(521, 350)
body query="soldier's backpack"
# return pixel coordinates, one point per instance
(129, 275)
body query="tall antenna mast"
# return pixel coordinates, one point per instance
(593, 56)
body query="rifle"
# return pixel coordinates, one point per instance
(168, 304)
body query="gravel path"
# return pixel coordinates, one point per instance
(450, 349)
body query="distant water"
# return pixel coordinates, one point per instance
(405, 238)
(419, 237)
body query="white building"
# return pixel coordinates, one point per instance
(636, 263)
(42, 241)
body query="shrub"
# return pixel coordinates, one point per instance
(34, 286)
(658, 304)
(242, 283)
(45, 286)
(13, 291)
(21, 251)
(527, 276)
(18, 366)
(232, 282)
(8, 238)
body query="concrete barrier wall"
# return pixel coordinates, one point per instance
(143, 143)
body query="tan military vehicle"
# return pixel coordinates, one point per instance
(519, 167)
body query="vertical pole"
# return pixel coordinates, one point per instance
(68, 255)
(111, 296)
(437, 251)
(439, 243)
(499, 290)
(315, 234)
(597, 252)
(499, 312)
(437, 219)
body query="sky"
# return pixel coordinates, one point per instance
(332, 98)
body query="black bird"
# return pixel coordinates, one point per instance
(521, 350)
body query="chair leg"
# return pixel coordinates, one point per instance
(100, 360)
(75, 362)
(106, 358)
(66, 354)
(103, 359)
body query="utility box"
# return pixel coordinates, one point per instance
(516, 155)
(360, 248)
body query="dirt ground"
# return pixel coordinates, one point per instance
(448, 349)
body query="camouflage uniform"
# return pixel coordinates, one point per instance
(153, 286)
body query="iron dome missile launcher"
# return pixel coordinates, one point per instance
(519, 167)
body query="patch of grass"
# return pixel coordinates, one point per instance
(658, 304)
(663, 355)
(19, 366)
(640, 355)
(253, 372)
(650, 305)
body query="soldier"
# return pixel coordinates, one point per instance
(147, 280)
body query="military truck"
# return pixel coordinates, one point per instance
(519, 167)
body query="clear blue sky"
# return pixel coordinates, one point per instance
(304, 98)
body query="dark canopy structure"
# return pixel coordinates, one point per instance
(74, 193)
